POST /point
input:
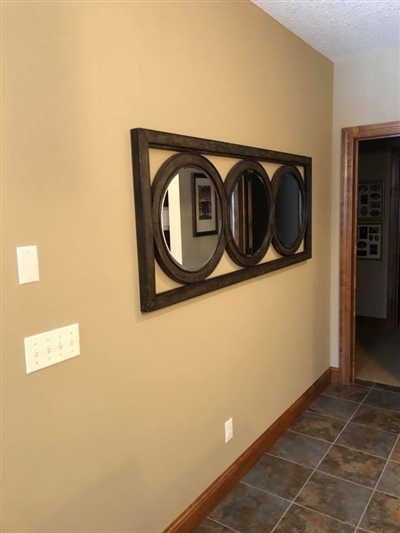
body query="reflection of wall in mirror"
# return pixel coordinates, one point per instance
(196, 251)
(174, 220)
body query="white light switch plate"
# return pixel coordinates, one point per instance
(51, 347)
(28, 264)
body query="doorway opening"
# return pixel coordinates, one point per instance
(377, 336)
(351, 138)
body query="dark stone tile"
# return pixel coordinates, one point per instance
(301, 520)
(301, 449)
(390, 481)
(352, 392)
(377, 418)
(249, 510)
(277, 476)
(334, 497)
(367, 440)
(396, 452)
(319, 426)
(353, 465)
(392, 388)
(334, 407)
(364, 383)
(382, 514)
(208, 526)
(384, 399)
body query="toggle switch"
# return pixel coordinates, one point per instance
(51, 347)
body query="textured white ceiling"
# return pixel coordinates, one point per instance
(339, 29)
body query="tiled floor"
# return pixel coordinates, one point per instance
(374, 355)
(335, 470)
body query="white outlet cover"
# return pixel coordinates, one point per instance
(228, 430)
(28, 264)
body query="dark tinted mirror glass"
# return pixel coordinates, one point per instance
(191, 218)
(288, 210)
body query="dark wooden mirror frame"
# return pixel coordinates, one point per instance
(148, 210)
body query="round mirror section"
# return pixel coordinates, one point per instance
(289, 219)
(191, 218)
(249, 213)
(188, 216)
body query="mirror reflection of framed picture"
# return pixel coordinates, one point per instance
(204, 206)
(371, 200)
(369, 241)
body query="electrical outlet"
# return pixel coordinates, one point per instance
(228, 430)
(51, 347)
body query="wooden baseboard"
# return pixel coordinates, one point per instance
(335, 374)
(199, 509)
(372, 322)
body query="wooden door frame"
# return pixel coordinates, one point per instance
(348, 219)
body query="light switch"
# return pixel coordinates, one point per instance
(51, 347)
(28, 264)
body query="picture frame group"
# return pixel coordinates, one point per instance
(369, 241)
(371, 200)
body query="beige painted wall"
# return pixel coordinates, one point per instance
(366, 91)
(125, 436)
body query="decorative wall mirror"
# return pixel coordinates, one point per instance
(191, 217)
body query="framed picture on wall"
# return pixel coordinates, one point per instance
(369, 241)
(204, 206)
(371, 200)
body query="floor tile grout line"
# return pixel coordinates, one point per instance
(378, 406)
(315, 469)
(370, 427)
(387, 493)
(343, 399)
(341, 420)
(337, 444)
(362, 384)
(363, 529)
(224, 525)
(265, 491)
(395, 444)
(322, 514)
(289, 461)
(381, 386)
(386, 408)
(344, 479)
(327, 416)
(322, 471)
(361, 451)
(306, 435)
(377, 483)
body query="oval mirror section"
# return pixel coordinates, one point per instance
(289, 210)
(249, 212)
(191, 218)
